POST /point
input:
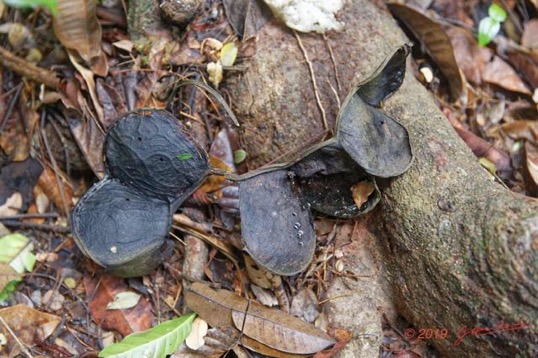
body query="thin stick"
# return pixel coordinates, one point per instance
(23, 348)
(334, 64)
(316, 90)
(27, 69)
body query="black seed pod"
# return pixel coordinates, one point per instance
(150, 151)
(121, 229)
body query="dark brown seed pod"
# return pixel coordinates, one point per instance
(376, 141)
(150, 151)
(121, 229)
(276, 225)
(325, 180)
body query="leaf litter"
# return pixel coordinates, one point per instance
(508, 141)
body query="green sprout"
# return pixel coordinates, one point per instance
(184, 156)
(489, 26)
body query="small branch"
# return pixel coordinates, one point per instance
(27, 69)
(316, 90)
(23, 348)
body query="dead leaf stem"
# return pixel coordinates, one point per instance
(333, 62)
(313, 77)
(27, 69)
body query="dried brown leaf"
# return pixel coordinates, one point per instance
(529, 37)
(266, 350)
(525, 62)
(362, 191)
(29, 325)
(471, 59)
(90, 139)
(530, 170)
(435, 41)
(280, 331)
(62, 196)
(518, 130)
(77, 28)
(214, 306)
(126, 321)
(247, 16)
(217, 342)
(500, 73)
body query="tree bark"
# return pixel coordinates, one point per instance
(458, 249)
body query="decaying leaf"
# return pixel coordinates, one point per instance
(195, 339)
(30, 326)
(158, 341)
(217, 342)
(124, 300)
(435, 41)
(276, 225)
(17, 252)
(530, 170)
(247, 16)
(77, 28)
(212, 305)
(8, 280)
(362, 191)
(500, 73)
(270, 327)
(102, 291)
(265, 350)
(280, 331)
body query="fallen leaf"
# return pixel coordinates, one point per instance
(217, 342)
(12, 205)
(90, 139)
(228, 54)
(21, 178)
(77, 27)
(280, 331)
(470, 58)
(17, 252)
(62, 196)
(8, 279)
(158, 341)
(500, 73)
(195, 339)
(125, 321)
(257, 274)
(526, 62)
(361, 192)
(265, 350)
(247, 16)
(265, 297)
(212, 305)
(523, 129)
(530, 170)
(529, 37)
(29, 325)
(435, 41)
(124, 300)
(53, 299)
(305, 305)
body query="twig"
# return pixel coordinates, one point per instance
(23, 348)
(329, 47)
(44, 227)
(312, 76)
(27, 69)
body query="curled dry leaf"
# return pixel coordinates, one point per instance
(77, 28)
(247, 16)
(276, 226)
(437, 44)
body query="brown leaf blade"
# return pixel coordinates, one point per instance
(437, 44)
(77, 28)
(280, 331)
(7, 274)
(29, 325)
(214, 306)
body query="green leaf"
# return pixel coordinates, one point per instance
(228, 54)
(487, 30)
(239, 156)
(184, 156)
(17, 251)
(497, 13)
(158, 341)
(51, 5)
